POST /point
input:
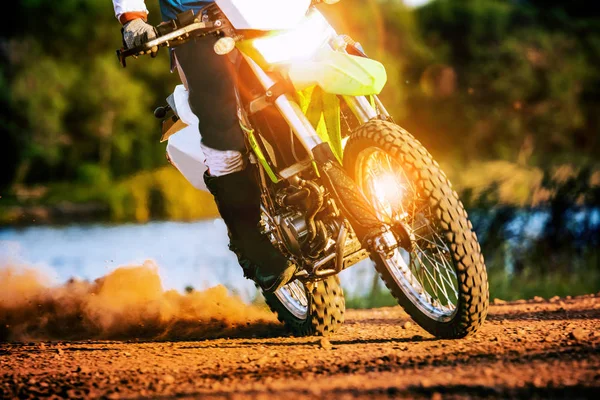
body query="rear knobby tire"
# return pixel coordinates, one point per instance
(451, 219)
(326, 308)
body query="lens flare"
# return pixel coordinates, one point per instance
(389, 191)
(296, 44)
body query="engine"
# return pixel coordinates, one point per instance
(307, 226)
(294, 230)
(306, 221)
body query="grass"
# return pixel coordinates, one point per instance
(525, 285)
(381, 298)
(529, 284)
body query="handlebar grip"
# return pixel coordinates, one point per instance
(177, 36)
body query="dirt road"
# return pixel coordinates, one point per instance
(526, 349)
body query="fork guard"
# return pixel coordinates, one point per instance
(348, 196)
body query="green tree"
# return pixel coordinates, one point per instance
(41, 92)
(115, 109)
(68, 103)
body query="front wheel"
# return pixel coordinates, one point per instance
(315, 308)
(439, 276)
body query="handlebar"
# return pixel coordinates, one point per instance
(187, 27)
(171, 39)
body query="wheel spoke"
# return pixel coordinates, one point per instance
(429, 277)
(447, 268)
(434, 265)
(444, 276)
(447, 251)
(419, 274)
(437, 284)
(427, 240)
(443, 251)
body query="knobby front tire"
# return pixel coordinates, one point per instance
(443, 215)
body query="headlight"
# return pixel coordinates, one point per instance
(299, 43)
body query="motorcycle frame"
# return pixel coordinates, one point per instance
(308, 136)
(291, 111)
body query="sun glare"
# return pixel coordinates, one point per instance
(299, 43)
(388, 190)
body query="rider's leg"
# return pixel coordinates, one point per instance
(210, 82)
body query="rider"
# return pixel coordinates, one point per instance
(230, 177)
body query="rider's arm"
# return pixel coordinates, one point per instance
(128, 10)
(133, 14)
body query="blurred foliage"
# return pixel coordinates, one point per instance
(504, 93)
(162, 193)
(66, 101)
(513, 81)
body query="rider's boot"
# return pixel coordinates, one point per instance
(238, 199)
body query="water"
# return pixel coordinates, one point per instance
(193, 254)
(196, 253)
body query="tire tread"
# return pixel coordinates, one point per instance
(452, 218)
(327, 308)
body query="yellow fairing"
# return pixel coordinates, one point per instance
(339, 73)
(323, 111)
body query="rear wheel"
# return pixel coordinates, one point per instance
(439, 277)
(309, 309)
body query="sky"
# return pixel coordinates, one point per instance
(415, 3)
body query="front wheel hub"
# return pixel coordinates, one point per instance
(389, 240)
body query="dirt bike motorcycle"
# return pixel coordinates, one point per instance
(341, 182)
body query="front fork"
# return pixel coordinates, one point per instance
(373, 234)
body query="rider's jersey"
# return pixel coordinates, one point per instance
(168, 8)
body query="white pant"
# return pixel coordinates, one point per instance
(190, 156)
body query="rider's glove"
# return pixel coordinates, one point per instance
(137, 32)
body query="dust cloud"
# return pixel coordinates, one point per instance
(128, 303)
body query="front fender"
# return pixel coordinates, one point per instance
(339, 73)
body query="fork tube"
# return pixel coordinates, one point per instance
(361, 108)
(289, 109)
(381, 107)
